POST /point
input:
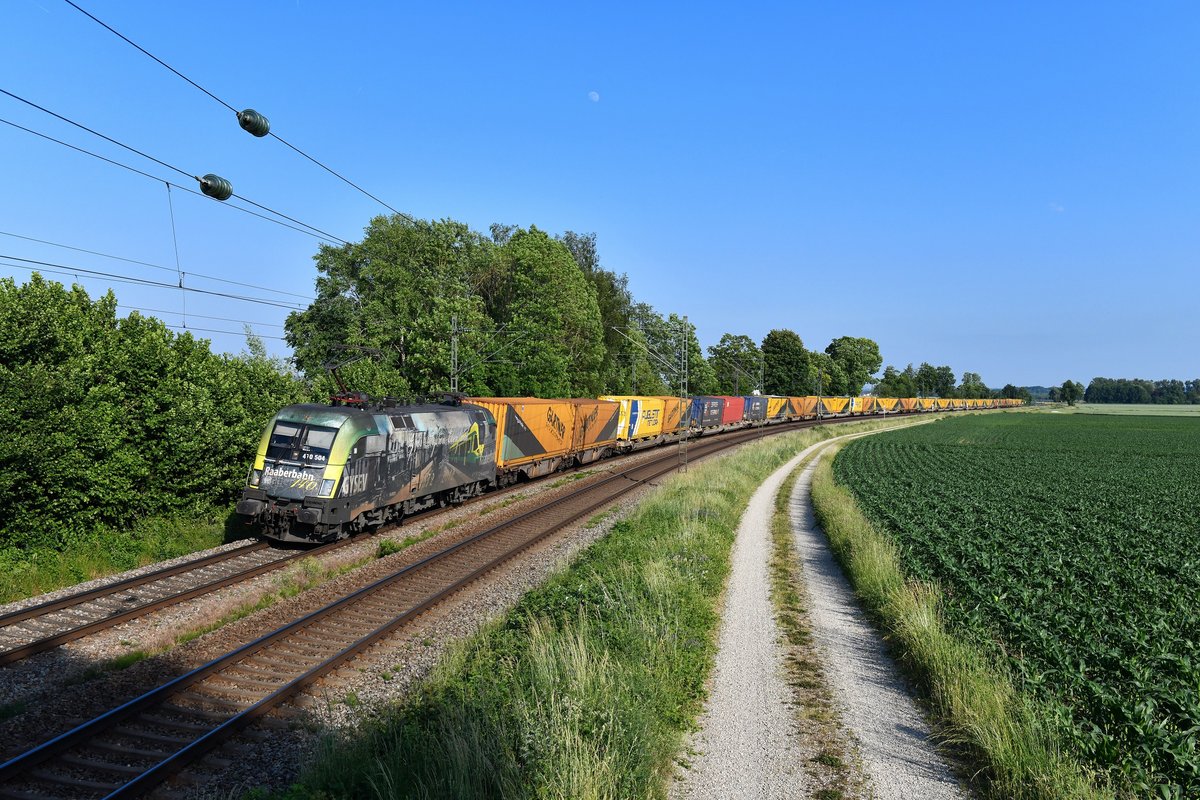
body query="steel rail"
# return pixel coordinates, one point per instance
(87, 628)
(623, 482)
(556, 508)
(129, 583)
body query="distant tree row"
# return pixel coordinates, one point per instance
(788, 368)
(1126, 390)
(930, 381)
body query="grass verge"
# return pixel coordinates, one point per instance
(973, 701)
(25, 573)
(587, 687)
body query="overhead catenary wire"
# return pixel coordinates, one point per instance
(156, 266)
(155, 178)
(145, 310)
(273, 135)
(190, 329)
(160, 162)
(67, 269)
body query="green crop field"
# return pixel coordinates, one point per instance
(1140, 409)
(1069, 547)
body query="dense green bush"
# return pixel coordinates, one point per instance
(109, 420)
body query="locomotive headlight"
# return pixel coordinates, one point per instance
(255, 477)
(327, 487)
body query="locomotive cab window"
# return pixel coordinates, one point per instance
(308, 444)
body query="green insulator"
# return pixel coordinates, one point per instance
(216, 187)
(253, 122)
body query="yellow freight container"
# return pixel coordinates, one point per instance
(909, 404)
(927, 403)
(803, 407)
(887, 404)
(640, 417)
(943, 403)
(540, 436)
(835, 405)
(674, 414)
(777, 407)
(863, 405)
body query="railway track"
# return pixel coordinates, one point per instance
(130, 749)
(41, 627)
(37, 628)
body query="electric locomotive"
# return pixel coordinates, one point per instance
(324, 472)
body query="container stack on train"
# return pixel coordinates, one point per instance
(324, 472)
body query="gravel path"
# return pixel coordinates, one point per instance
(748, 741)
(893, 738)
(749, 744)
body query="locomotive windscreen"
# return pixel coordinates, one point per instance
(307, 444)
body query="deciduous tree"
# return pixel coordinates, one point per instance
(736, 361)
(858, 358)
(787, 367)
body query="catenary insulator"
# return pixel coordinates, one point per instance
(253, 122)
(216, 187)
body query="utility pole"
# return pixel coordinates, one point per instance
(454, 354)
(684, 401)
(668, 366)
(455, 332)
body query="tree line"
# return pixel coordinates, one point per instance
(1136, 390)
(532, 314)
(109, 420)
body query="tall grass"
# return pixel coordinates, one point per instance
(587, 687)
(1009, 741)
(28, 572)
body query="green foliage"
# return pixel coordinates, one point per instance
(112, 420)
(737, 362)
(625, 367)
(973, 387)
(896, 383)
(1138, 391)
(1067, 545)
(26, 571)
(934, 381)
(552, 316)
(388, 547)
(858, 359)
(398, 290)
(1016, 393)
(1070, 392)
(830, 377)
(787, 367)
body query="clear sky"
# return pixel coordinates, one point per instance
(1009, 188)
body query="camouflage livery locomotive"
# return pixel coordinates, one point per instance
(324, 472)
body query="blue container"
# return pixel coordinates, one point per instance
(706, 412)
(756, 408)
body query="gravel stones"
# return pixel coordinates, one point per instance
(894, 741)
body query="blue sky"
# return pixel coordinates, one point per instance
(1011, 189)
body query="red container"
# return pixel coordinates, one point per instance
(735, 408)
